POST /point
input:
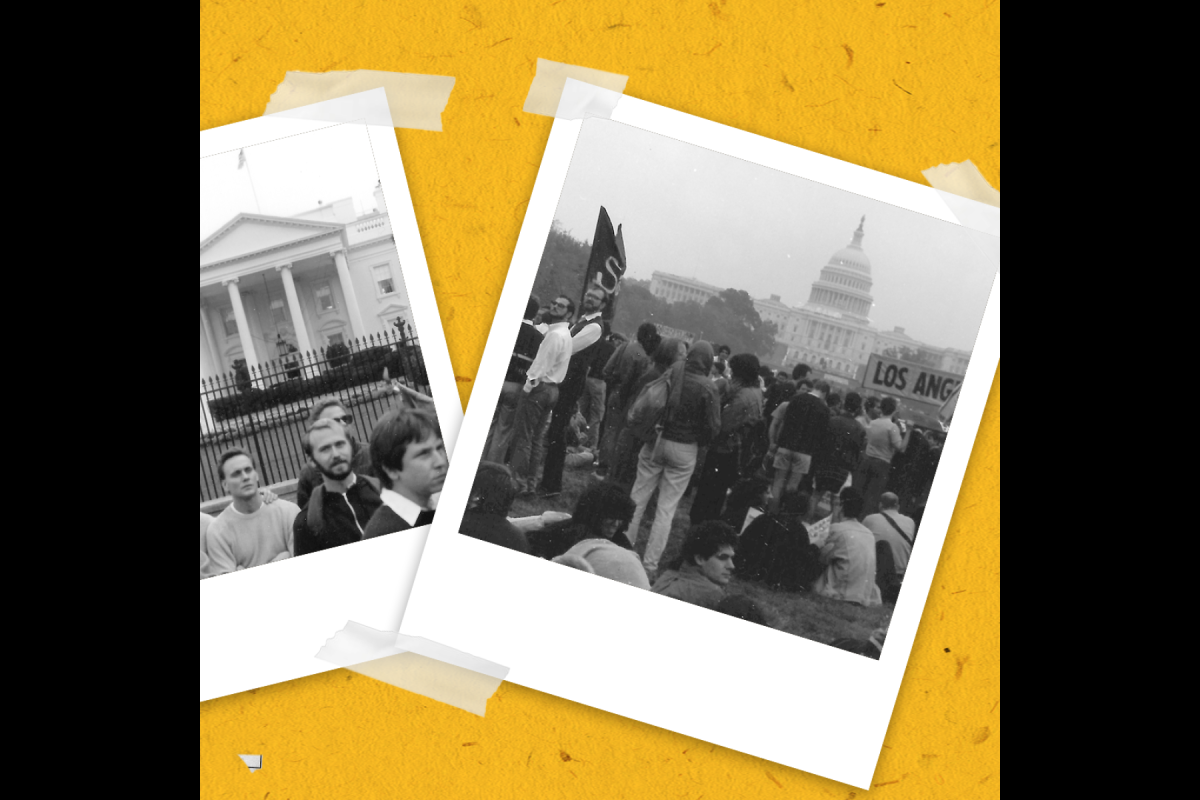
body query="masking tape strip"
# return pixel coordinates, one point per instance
(416, 665)
(968, 195)
(546, 91)
(415, 101)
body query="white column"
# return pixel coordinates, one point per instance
(214, 356)
(243, 325)
(343, 270)
(289, 288)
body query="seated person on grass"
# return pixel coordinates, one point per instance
(486, 517)
(596, 534)
(849, 556)
(704, 568)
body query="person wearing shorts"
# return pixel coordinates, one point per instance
(799, 435)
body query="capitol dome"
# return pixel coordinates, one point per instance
(852, 255)
(844, 288)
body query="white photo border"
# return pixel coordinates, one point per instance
(265, 626)
(669, 664)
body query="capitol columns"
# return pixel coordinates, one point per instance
(293, 300)
(243, 325)
(343, 270)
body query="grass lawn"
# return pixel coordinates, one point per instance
(801, 614)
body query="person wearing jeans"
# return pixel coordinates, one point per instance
(529, 340)
(540, 393)
(692, 420)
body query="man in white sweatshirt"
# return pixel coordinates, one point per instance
(249, 532)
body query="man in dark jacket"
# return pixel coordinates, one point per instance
(799, 435)
(340, 507)
(310, 477)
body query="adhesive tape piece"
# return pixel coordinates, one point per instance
(964, 180)
(546, 91)
(416, 101)
(972, 201)
(416, 665)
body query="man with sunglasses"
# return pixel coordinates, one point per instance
(311, 477)
(541, 391)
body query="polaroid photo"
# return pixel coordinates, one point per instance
(717, 435)
(327, 401)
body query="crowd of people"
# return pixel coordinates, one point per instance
(770, 458)
(347, 492)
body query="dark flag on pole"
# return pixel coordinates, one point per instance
(606, 265)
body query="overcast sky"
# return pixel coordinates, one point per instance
(290, 175)
(699, 214)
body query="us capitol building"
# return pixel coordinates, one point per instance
(832, 332)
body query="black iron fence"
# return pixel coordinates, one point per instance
(263, 409)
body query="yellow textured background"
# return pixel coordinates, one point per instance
(894, 86)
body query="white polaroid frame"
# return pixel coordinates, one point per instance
(265, 626)
(651, 658)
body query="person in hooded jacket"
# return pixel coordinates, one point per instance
(624, 467)
(692, 420)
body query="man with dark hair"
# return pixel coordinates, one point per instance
(870, 412)
(410, 462)
(800, 372)
(486, 517)
(540, 395)
(310, 477)
(249, 532)
(628, 363)
(885, 438)
(586, 333)
(704, 568)
(798, 434)
(596, 534)
(849, 557)
(843, 452)
(529, 339)
(339, 509)
(741, 409)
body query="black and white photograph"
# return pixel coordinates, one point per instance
(328, 406)
(717, 435)
(731, 387)
(317, 422)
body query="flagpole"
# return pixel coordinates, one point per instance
(245, 162)
(252, 189)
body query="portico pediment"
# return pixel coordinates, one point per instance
(249, 234)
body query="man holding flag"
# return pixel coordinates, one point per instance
(606, 266)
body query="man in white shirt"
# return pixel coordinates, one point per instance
(249, 532)
(540, 393)
(899, 531)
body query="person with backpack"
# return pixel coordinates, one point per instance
(626, 365)
(682, 412)
(624, 463)
(741, 409)
(340, 507)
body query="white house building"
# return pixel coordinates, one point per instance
(318, 278)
